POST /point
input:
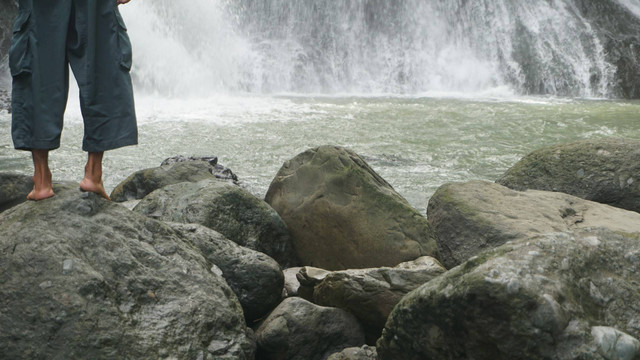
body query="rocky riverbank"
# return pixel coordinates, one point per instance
(334, 264)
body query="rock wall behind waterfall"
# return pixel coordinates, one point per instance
(568, 47)
(618, 28)
(7, 12)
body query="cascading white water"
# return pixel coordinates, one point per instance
(633, 6)
(367, 46)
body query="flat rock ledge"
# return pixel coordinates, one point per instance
(468, 218)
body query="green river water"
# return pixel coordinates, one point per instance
(415, 143)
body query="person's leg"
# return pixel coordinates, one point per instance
(42, 184)
(99, 52)
(93, 175)
(38, 63)
(101, 62)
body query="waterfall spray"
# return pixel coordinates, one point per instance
(368, 47)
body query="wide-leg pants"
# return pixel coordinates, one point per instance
(89, 35)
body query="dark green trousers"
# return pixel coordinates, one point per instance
(89, 35)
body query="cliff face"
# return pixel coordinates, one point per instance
(619, 31)
(8, 9)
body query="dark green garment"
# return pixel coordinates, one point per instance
(89, 35)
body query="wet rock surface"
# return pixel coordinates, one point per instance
(603, 170)
(362, 353)
(14, 189)
(300, 330)
(471, 217)
(537, 298)
(371, 294)
(219, 171)
(619, 32)
(343, 215)
(173, 171)
(226, 208)
(254, 277)
(81, 277)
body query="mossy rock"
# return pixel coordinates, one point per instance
(143, 182)
(14, 189)
(343, 215)
(84, 278)
(468, 218)
(227, 209)
(605, 171)
(553, 296)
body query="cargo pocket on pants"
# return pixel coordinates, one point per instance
(19, 52)
(124, 53)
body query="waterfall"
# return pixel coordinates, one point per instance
(368, 46)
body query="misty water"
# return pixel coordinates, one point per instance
(416, 144)
(419, 90)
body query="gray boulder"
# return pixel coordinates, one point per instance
(554, 296)
(291, 283)
(605, 170)
(14, 189)
(253, 276)
(342, 215)
(219, 171)
(371, 294)
(356, 353)
(478, 215)
(308, 277)
(226, 208)
(81, 277)
(300, 330)
(143, 182)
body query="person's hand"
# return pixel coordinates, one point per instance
(120, 2)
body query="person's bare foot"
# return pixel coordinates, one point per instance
(92, 181)
(40, 194)
(42, 180)
(95, 187)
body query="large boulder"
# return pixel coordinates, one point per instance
(605, 171)
(14, 189)
(470, 217)
(81, 277)
(300, 330)
(342, 215)
(253, 276)
(554, 296)
(371, 294)
(226, 208)
(172, 171)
